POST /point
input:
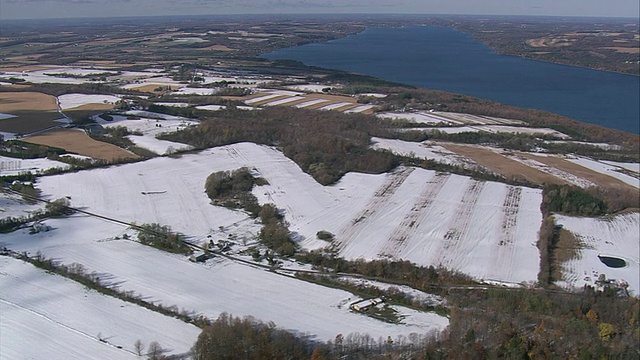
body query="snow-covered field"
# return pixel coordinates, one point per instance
(69, 101)
(309, 87)
(150, 128)
(196, 91)
(13, 166)
(487, 230)
(423, 150)
(497, 129)
(608, 168)
(419, 117)
(14, 206)
(616, 236)
(219, 285)
(45, 316)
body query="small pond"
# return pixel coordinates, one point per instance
(612, 262)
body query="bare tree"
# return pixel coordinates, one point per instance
(154, 351)
(138, 346)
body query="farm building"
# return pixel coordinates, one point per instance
(199, 256)
(364, 305)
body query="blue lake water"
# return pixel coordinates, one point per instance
(445, 59)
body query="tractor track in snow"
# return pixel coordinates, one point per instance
(398, 239)
(380, 198)
(461, 223)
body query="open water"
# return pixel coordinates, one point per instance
(445, 59)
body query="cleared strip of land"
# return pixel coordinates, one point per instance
(580, 171)
(11, 102)
(77, 141)
(504, 166)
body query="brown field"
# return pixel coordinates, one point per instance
(502, 165)
(77, 141)
(218, 48)
(580, 171)
(34, 112)
(151, 88)
(626, 50)
(20, 68)
(334, 98)
(11, 102)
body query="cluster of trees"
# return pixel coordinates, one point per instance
(394, 271)
(24, 150)
(571, 200)
(275, 233)
(235, 338)
(162, 237)
(484, 324)
(232, 189)
(325, 144)
(55, 208)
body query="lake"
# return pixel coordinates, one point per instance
(445, 59)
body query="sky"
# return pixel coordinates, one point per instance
(40, 9)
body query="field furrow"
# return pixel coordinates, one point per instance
(409, 225)
(459, 226)
(380, 198)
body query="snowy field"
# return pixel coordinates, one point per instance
(150, 128)
(217, 286)
(422, 150)
(609, 168)
(309, 87)
(14, 206)
(484, 229)
(69, 101)
(196, 91)
(487, 230)
(496, 129)
(46, 316)
(420, 118)
(616, 236)
(13, 166)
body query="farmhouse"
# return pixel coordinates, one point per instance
(364, 305)
(199, 256)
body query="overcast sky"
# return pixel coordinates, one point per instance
(36, 9)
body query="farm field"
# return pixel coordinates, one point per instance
(615, 236)
(212, 288)
(77, 141)
(29, 112)
(69, 321)
(408, 214)
(502, 165)
(13, 166)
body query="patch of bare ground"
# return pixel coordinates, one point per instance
(566, 248)
(33, 111)
(77, 141)
(597, 178)
(20, 68)
(333, 98)
(510, 169)
(262, 102)
(218, 48)
(626, 50)
(11, 102)
(153, 88)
